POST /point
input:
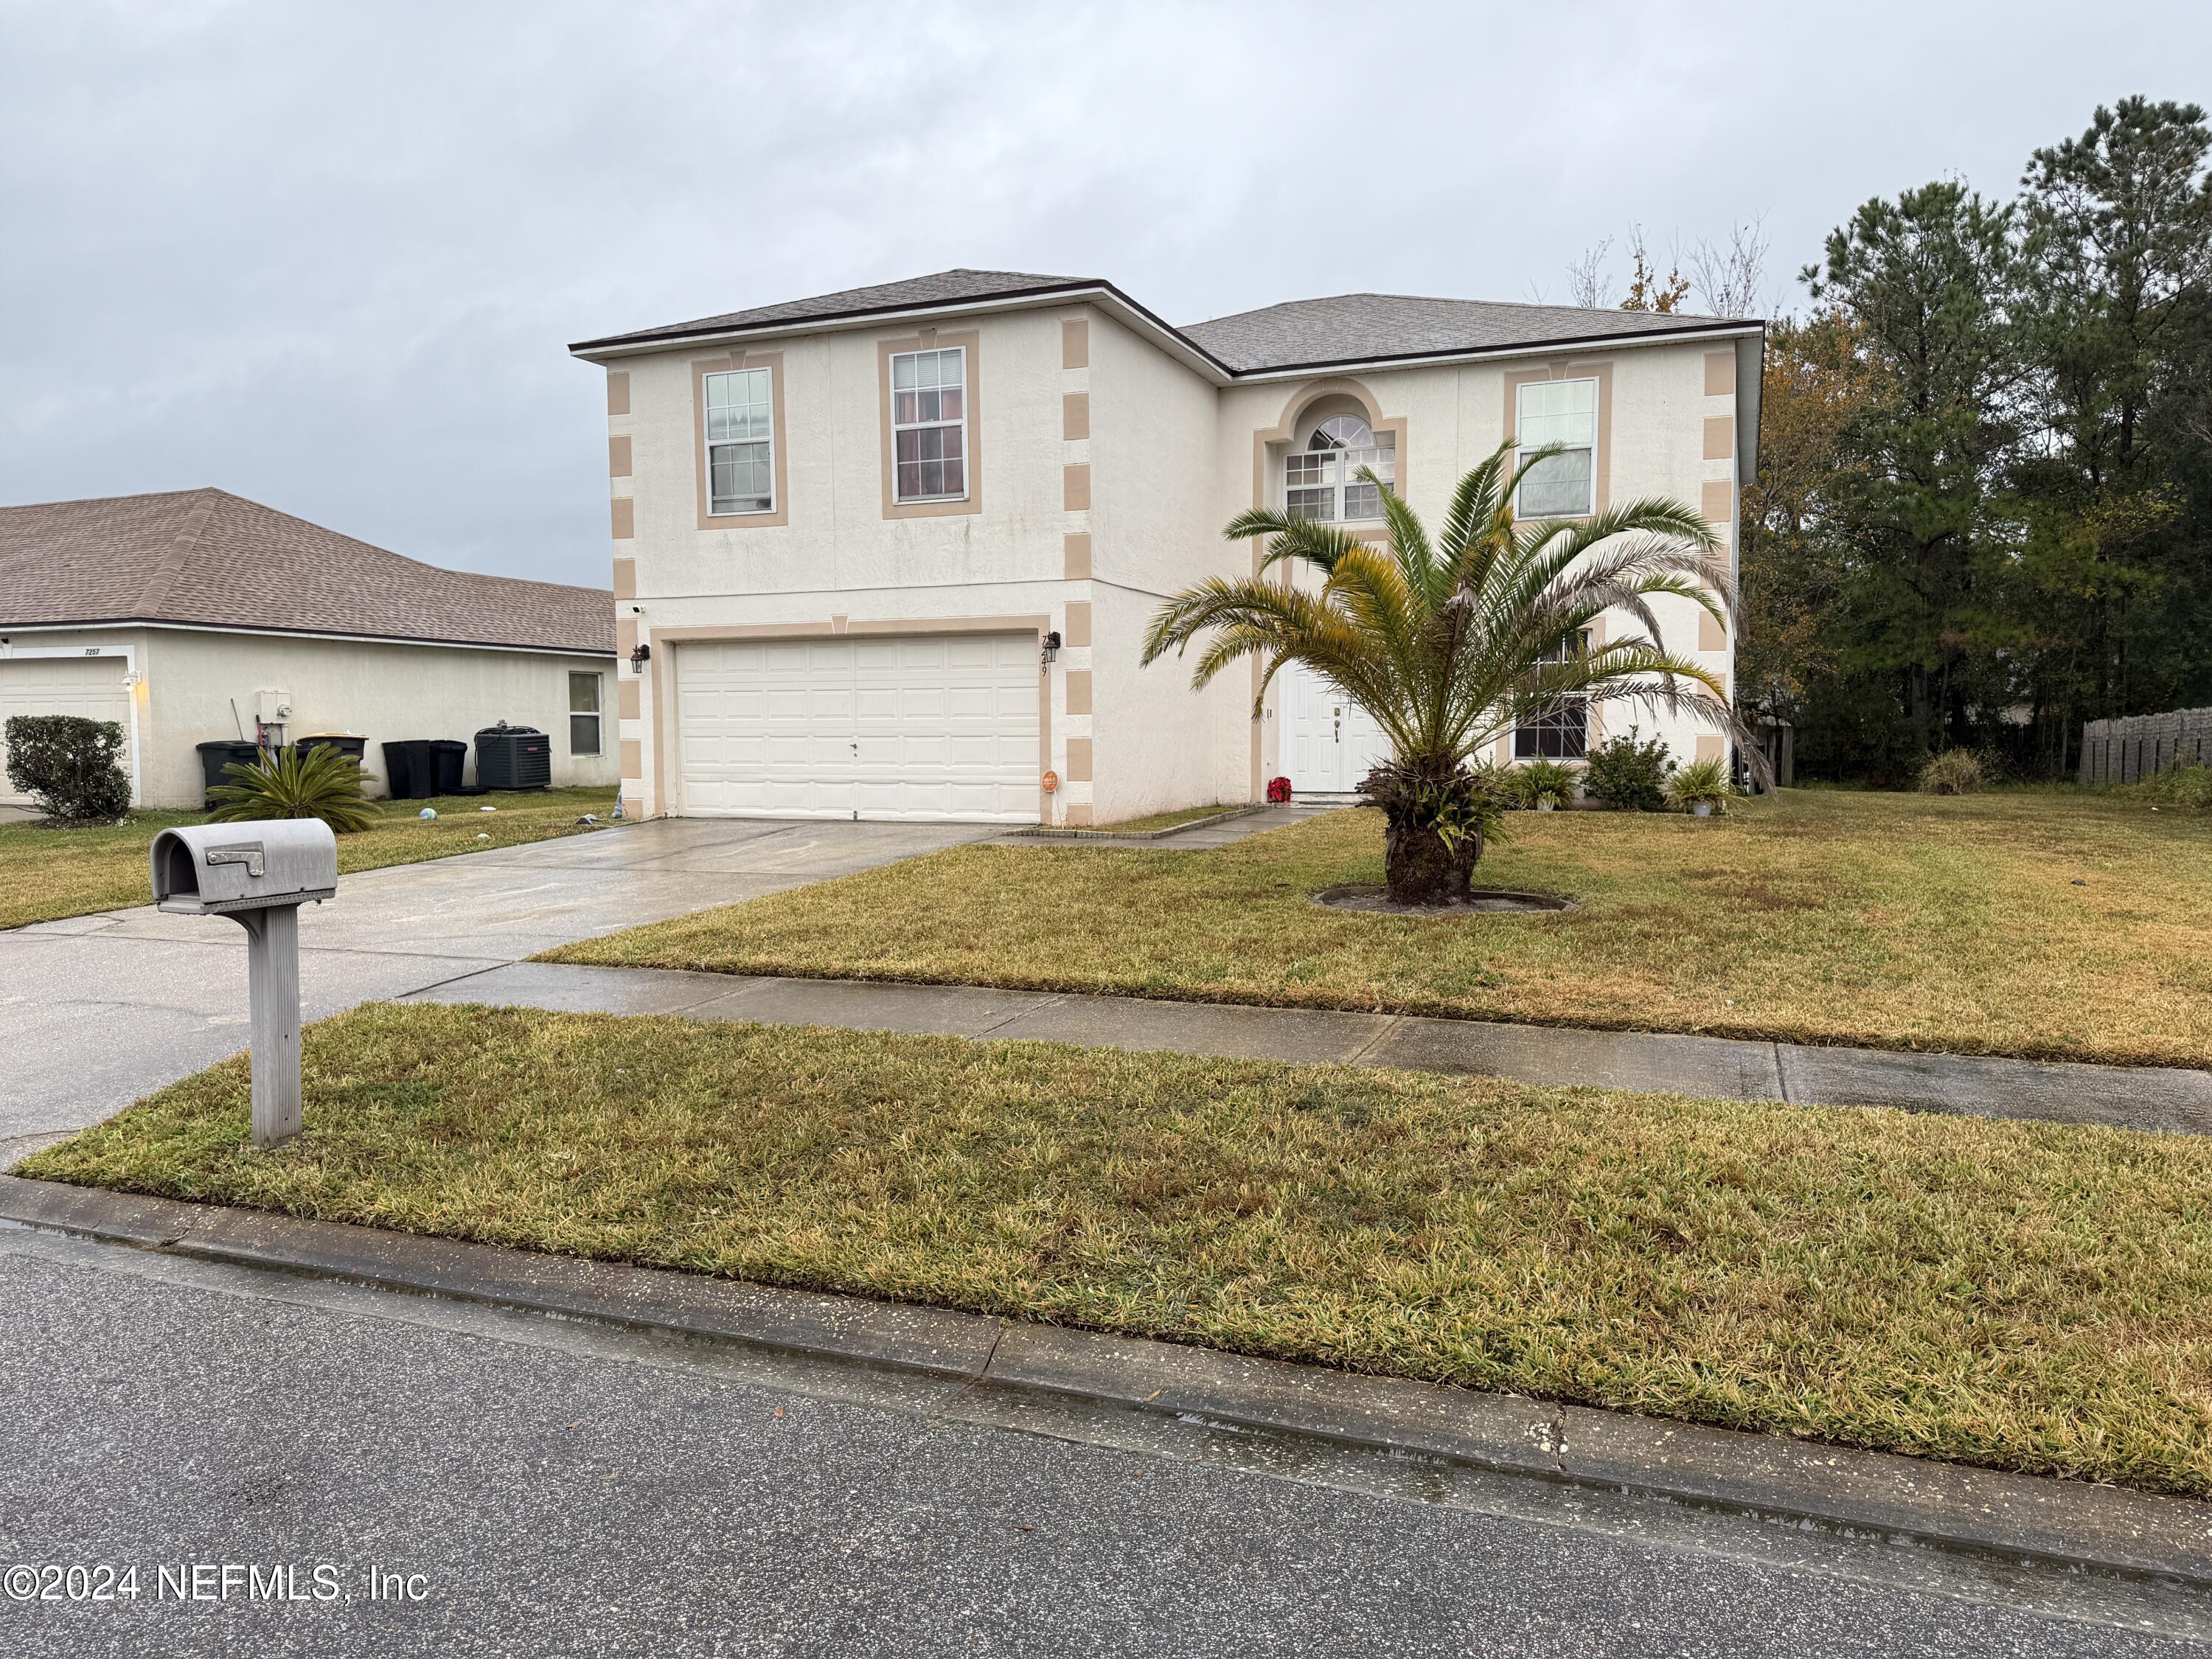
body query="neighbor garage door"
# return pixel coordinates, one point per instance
(90, 686)
(932, 727)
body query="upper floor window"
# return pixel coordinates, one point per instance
(929, 425)
(741, 441)
(1322, 480)
(1558, 412)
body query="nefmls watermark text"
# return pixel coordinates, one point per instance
(211, 1581)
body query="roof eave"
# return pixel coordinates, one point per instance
(1105, 295)
(1721, 328)
(354, 635)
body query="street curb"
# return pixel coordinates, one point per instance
(1952, 1506)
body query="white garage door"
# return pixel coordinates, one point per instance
(90, 686)
(934, 727)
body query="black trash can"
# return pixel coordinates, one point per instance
(448, 756)
(355, 748)
(215, 756)
(408, 769)
(514, 758)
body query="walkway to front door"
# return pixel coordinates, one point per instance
(1328, 744)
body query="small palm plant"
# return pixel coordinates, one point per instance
(1538, 784)
(319, 782)
(1703, 783)
(1449, 642)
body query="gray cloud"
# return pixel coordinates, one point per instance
(328, 257)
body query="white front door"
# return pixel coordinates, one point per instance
(92, 687)
(925, 727)
(1329, 743)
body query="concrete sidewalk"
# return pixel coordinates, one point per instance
(2132, 1097)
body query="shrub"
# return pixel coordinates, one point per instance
(2189, 787)
(1533, 782)
(322, 782)
(1279, 791)
(1702, 783)
(1953, 772)
(1629, 775)
(70, 765)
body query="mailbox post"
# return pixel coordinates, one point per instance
(258, 874)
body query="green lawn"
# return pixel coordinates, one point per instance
(2027, 1295)
(1152, 821)
(47, 873)
(2026, 922)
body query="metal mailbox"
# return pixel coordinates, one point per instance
(214, 869)
(258, 874)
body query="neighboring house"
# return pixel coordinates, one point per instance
(197, 616)
(848, 529)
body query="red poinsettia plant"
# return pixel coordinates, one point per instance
(1279, 791)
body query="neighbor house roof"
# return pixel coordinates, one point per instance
(1299, 334)
(207, 558)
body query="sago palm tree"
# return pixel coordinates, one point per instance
(1449, 642)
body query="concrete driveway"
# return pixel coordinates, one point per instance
(99, 1009)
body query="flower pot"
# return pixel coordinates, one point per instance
(1702, 809)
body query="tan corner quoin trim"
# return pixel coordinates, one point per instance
(623, 513)
(625, 579)
(1079, 760)
(662, 666)
(1075, 343)
(1078, 818)
(617, 391)
(1078, 691)
(1712, 634)
(632, 760)
(1601, 372)
(627, 700)
(1711, 745)
(1078, 632)
(931, 339)
(1720, 437)
(700, 368)
(1075, 416)
(1075, 486)
(1720, 374)
(625, 636)
(1075, 555)
(1718, 501)
(618, 455)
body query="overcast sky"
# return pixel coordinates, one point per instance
(329, 256)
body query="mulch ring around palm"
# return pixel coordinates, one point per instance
(1488, 901)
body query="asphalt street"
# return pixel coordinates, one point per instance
(517, 1484)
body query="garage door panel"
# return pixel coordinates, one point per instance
(924, 728)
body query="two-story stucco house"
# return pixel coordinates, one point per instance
(892, 552)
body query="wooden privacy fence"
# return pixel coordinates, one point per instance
(2142, 745)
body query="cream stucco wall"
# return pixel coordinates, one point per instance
(382, 691)
(1162, 460)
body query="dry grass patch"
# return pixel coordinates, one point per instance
(2036, 923)
(46, 873)
(2027, 1295)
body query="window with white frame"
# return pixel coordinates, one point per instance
(1563, 412)
(1322, 480)
(929, 425)
(584, 716)
(741, 441)
(1560, 733)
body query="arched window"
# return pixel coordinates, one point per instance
(1322, 480)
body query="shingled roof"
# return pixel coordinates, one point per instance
(1361, 328)
(1299, 334)
(208, 557)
